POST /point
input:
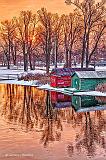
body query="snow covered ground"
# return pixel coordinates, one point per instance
(18, 70)
(90, 93)
(100, 68)
(14, 72)
(49, 88)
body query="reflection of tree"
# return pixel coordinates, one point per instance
(23, 105)
(10, 95)
(90, 134)
(26, 109)
(52, 124)
(32, 109)
(101, 99)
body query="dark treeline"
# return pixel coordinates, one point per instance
(49, 38)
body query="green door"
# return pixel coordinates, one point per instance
(76, 83)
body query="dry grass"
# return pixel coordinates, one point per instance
(101, 87)
(42, 78)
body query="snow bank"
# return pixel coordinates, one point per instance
(72, 91)
(100, 68)
(19, 71)
(90, 93)
(61, 90)
(22, 82)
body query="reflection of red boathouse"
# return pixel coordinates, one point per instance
(60, 100)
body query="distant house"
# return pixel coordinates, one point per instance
(88, 80)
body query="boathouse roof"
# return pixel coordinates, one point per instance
(91, 74)
(68, 71)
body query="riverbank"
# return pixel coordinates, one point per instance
(18, 76)
(36, 77)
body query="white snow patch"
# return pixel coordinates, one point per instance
(71, 91)
(22, 82)
(61, 90)
(100, 68)
(4, 70)
(90, 93)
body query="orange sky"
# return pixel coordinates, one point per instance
(10, 8)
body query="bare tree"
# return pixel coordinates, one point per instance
(56, 37)
(93, 15)
(7, 40)
(72, 29)
(26, 24)
(45, 19)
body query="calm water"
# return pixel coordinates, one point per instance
(40, 125)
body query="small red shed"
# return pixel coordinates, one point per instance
(61, 77)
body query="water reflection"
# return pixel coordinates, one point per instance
(23, 105)
(88, 103)
(89, 135)
(60, 100)
(52, 123)
(52, 116)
